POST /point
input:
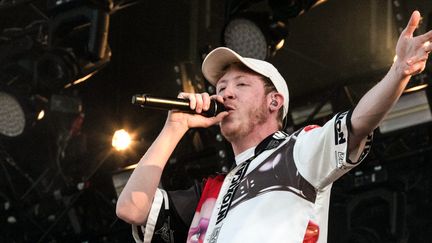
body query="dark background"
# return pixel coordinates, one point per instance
(334, 53)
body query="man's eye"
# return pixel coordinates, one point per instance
(221, 89)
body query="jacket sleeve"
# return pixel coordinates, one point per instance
(169, 218)
(321, 153)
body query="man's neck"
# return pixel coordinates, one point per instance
(251, 140)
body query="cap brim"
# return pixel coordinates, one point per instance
(216, 61)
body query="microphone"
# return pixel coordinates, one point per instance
(153, 102)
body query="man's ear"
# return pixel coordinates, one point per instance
(276, 101)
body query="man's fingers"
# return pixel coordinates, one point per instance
(427, 47)
(422, 54)
(199, 103)
(190, 97)
(181, 95)
(415, 68)
(415, 60)
(412, 24)
(218, 98)
(206, 101)
(420, 58)
(426, 37)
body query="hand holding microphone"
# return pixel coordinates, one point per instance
(179, 104)
(205, 110)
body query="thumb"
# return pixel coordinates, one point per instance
(218, 118)
(412, 24)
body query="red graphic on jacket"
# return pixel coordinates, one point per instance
(312, 233)
(204, 209)
(310, 127)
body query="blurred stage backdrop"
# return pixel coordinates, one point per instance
(68, 70)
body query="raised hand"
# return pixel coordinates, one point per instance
(413, 51)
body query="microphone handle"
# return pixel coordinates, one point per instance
(153, 102)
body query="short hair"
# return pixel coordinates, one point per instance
(268, 85)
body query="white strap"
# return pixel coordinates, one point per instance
(153, 215)
(165, 196)
(135, 234)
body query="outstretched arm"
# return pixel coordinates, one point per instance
(412, 53)
(136, 198)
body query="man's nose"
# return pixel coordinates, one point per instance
(228, 92)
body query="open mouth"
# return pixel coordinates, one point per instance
(229, 108)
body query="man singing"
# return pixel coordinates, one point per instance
(279, 190)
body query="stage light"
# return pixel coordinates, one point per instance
(255, 34)
(41, 115)
(19, 106)
(280, 44)
(246, 38)
(41, 60)
(19, 113)
(261, 34)
(12, 116)
(121, 140)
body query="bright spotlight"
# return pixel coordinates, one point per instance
(41, 115)
(121, 140)
(280, 44)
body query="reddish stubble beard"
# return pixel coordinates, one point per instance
(243, 122)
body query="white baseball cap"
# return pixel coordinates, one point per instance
(219, 58)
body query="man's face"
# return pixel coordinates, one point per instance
(245, 100)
